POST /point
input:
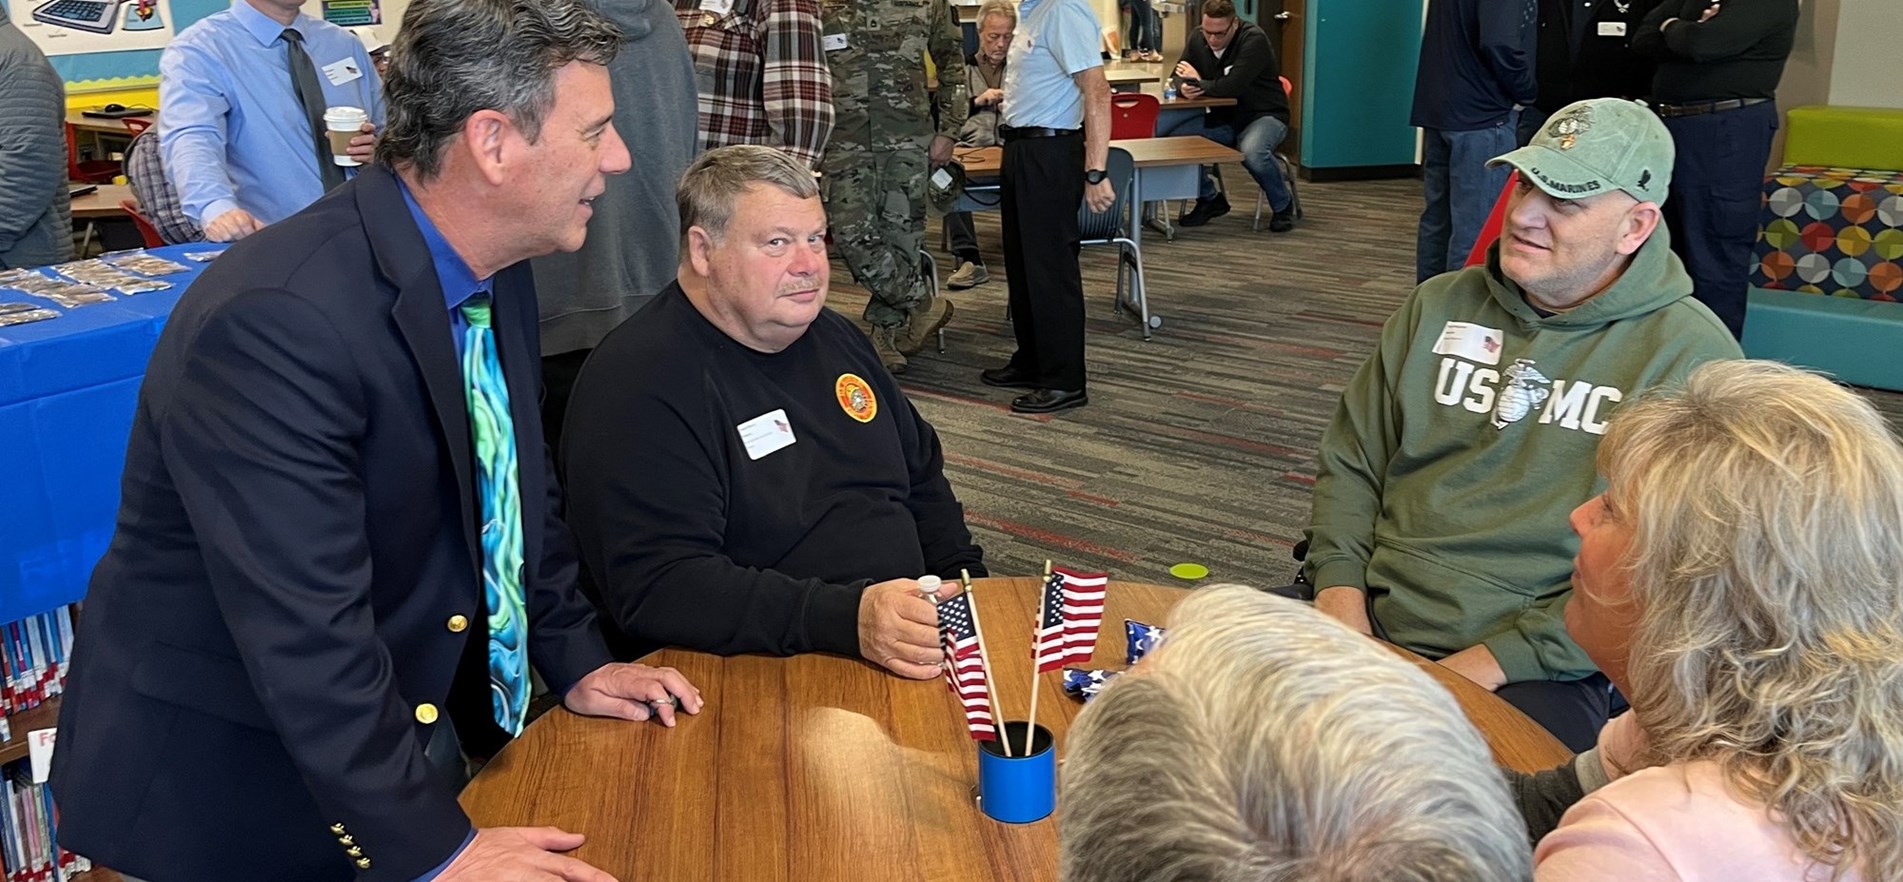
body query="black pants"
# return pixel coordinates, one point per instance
(1573, 710)
(1043, 189)
(1717, 189)
(964, 240)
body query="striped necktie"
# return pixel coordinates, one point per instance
(493, 430)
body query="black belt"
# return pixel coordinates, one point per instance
(1013, 133)
(1667, 111)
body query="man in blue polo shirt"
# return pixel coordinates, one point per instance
(242, 96)
(1056, 133)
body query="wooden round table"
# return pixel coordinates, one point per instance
(820, 767)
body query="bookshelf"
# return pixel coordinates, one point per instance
(100, 875)
(42, 717)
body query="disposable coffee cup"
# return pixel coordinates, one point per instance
(343, 124)
(1022, 788)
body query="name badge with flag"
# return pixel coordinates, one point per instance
(1470, 341)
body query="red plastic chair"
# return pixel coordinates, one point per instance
(1496, 220)
(1133, 115)
(147, 231)
(91, 171)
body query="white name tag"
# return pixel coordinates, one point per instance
(833, 42)
(1472, 342)
(717, 7)
(766, 433)
(341, 72)
(1612, 29)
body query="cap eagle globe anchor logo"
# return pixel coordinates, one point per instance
(1568, 126)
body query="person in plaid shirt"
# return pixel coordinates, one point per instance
(761, 74)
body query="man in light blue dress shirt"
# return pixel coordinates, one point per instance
(236, 141)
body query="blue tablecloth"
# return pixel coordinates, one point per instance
(68, 388)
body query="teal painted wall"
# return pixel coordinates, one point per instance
(1358, 82)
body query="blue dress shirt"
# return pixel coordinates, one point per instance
(458, 281)
(1056, 40)
(231, 130)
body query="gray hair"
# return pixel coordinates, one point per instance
(1766, 509)
(1005, 8)
(718, 178)
(453, 58)
(1264, 741)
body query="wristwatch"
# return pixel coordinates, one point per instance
(1095, 176)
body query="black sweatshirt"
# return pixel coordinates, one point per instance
(1476, 63)
(695, 542)
(1247, 70)
(1585, 51)
(1739, 53)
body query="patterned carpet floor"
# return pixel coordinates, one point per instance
(1199, 445)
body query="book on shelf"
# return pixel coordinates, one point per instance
(33, 659)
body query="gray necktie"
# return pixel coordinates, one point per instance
(311, 95)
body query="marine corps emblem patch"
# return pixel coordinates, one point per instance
(1568, 126)
(856, 398)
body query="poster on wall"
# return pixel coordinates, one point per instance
(69, 27)
(353, 13)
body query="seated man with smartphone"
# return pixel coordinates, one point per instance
(1231, 58)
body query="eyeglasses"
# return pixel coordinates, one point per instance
(1207, 33)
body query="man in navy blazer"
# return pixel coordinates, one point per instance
(285, 652)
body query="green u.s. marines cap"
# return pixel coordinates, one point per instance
(1598, 146)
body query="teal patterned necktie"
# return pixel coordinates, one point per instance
(493, 430)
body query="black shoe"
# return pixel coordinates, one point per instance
(1048, 400)
(1204, 212)
(1009, 377)
(1284, 220)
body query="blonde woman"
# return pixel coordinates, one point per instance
(1741, 581)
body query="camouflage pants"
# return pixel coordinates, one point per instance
(875, 201)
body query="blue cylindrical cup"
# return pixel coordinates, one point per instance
(1019, 789)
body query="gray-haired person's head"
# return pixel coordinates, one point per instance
(453, 58)
(1004, 9)
(1264, 741)
(718, 178)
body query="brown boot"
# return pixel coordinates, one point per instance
(925, 325)
(885, 342)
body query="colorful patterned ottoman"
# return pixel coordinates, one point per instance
(1836, 231)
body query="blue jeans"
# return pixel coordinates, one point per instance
(1146, 26)
(1460, 191)
(1257, 146)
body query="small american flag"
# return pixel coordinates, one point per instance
(965, 666)
(1068, 617)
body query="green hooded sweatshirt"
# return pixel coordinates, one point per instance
(1464, 442)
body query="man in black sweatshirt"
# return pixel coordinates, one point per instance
(1719, 66)
(743, 475)
(1476, 72)
(1584, 50)
(1231, 58)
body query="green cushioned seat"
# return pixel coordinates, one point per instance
(1848, 137)
(1857, 341)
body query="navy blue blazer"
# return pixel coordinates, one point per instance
(293, 578)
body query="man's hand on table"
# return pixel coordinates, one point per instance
(1347, 605)
(632, 692)
(898, 628)
(363, 147)
(521, 854)
(1477, 663)
(1190, 90)
(231, 226)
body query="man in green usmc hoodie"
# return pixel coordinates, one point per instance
(1462, 443)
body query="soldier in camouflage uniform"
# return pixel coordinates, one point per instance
(882, 147)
